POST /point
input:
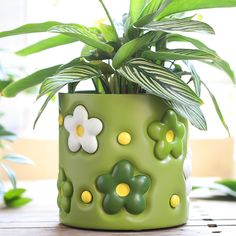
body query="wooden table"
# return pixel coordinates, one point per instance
(40, 218)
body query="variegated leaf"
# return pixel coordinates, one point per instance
(179, 25)
(159, 81)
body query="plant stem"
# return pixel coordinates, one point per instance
(109, 17)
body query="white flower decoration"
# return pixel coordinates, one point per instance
(83, 131)
(187, 168)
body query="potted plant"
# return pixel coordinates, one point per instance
(124, 160)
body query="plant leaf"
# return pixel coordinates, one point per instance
(107, 32)
(159, 81)
(18, 159)
(46, 44)
(152, 10)
(30, 28)
(13, 193)
(29, 81)
(192, 113)
(178, 54)
(4, 84)
(230, 183)
(218, 63)
(217, 108)
(130, 48)
(177, 6)
(18, 202)
(10, 173)
(135, 9)
(179, 25)
(82, 34)
(68, 75)
(195, 77)
(6, 135)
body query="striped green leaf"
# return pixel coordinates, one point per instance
(217, 108)
(45, 44)
(179, 25)
(10, 173)
(178, 54)
(219, 63)
(30, 28)
(177, 6)
(82, 34)
(192, 113)
(68, 75)
(195, 77)
(159, 81)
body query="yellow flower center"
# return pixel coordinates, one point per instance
(170, 135)
(86, 197)
(60, 119)
(122, 189)
(80, 130)
(174, 201)
(124, 138)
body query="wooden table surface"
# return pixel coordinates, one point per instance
(40, 217)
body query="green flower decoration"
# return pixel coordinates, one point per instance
(123, 189)
(65, 191)
(168, 136)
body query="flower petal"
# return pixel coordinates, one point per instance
(112, 203)
(157, 131)
(162, 149)
(89, 143)
(123, 171)
(65, 204)
(135, 203)
(73, 143)
(180, 130)
(93, 126)
(177, 148)
(105, 183)
(140, 184)
(67, 189)
(80, 114)
(170, 118)
(70, 123)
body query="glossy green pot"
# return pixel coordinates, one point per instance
(121, 162)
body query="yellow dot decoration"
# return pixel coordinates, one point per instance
(60, 119)
(122, 189)
(174, 201)
(170, 136)
(86, 197)
(124, 138)
(80, 130)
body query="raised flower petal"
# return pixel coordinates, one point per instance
(65, 204)
(123, 171)
(168, 135)
(105, 183)
(112, 203)
(73, 143)
(80, 113)
(135, 203)
(89, 143)
(162, 149)
(93, 126)
(82, 131)
(70, 123)
(156, 130)
(140, 184)
(177, 149)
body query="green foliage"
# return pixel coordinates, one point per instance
(13, 198)
(134, 62)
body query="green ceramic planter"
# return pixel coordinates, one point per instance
(121, 163)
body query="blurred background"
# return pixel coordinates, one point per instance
(213, 150)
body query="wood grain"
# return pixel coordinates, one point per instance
(40, 218)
